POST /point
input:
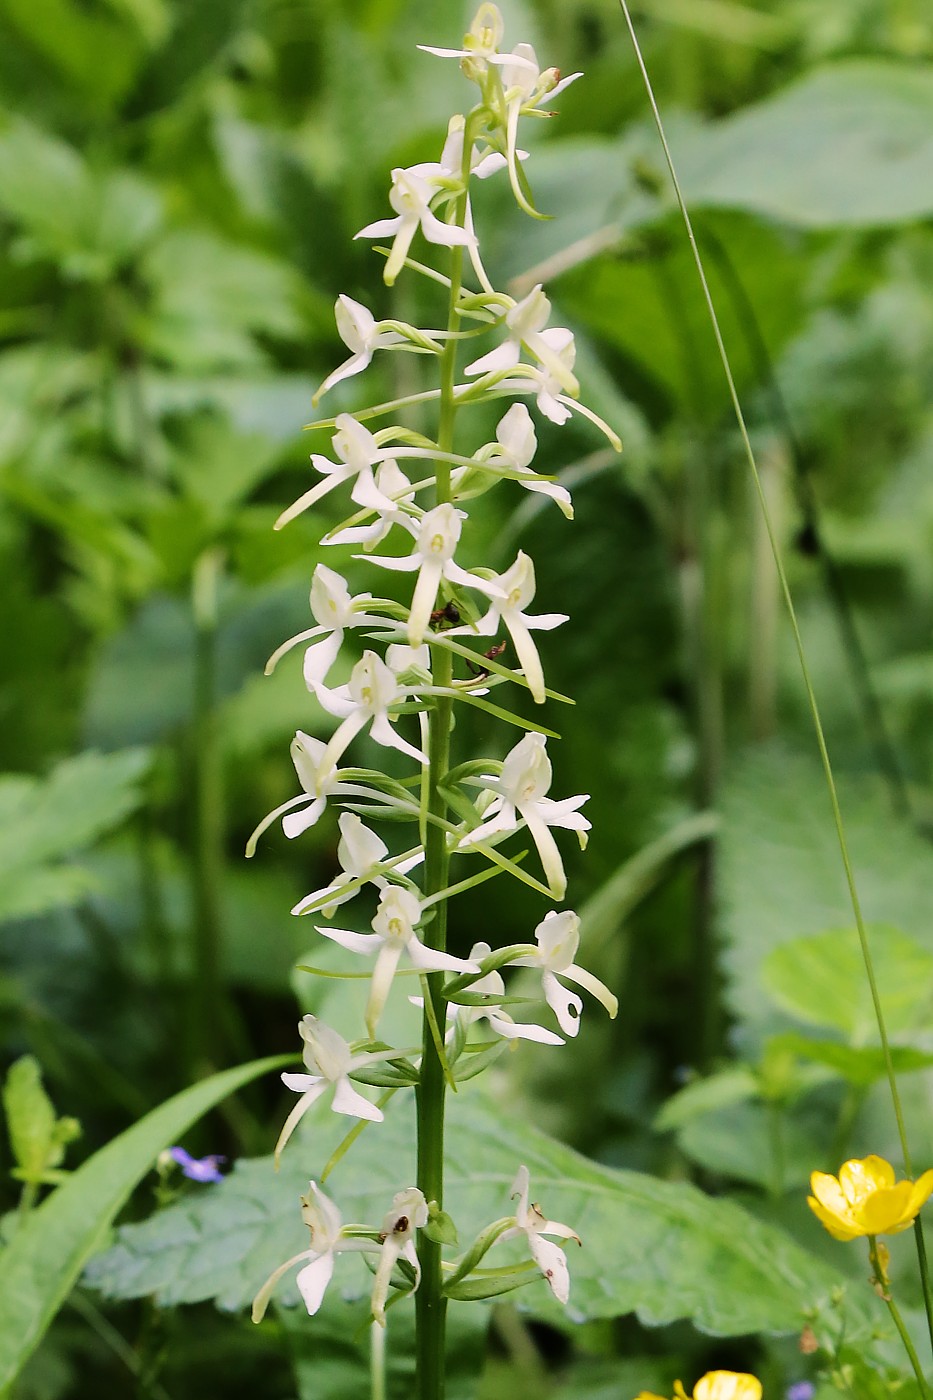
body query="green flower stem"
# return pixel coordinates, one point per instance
(798, 642)
(883, 1286)
(430, 1304)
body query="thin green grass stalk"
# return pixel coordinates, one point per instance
(801, 656)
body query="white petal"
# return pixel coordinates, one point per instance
(433, 961)
(380, 229)
(515, 1030)
(565, 1004)
(312, 1281)
(552, 1262)
(365, 943)
(296, 1115)
(505, 356)
(347, 1100)
(296, 822)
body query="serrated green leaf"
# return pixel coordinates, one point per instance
(43, 820)
(822, 980)
(30, 1120)
(44, 1260)
(661, 1249)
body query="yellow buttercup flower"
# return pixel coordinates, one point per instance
(865, 1200)
(716, 1385)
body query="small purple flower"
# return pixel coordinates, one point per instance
(198, 1168)
(801, 1390)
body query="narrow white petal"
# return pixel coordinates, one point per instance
(365, 943)
(592, 985)
(297, 822)
(261, 1301)
(347, 1100)
(551, 863)
(296, 1115)
(383, 972)
(382, 228)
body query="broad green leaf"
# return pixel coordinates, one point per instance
(756, 1143)
(822, 980)
(847, 145)
(44, 1260)
(780, 876)
(43, 821)
(660, 1249)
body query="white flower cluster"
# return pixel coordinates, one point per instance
(411, 681)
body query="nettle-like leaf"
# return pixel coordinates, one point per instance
(42, 821)
(660, 1249)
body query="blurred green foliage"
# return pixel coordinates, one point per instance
(179, 188)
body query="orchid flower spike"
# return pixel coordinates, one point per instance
(329, 1062)
(521, 800)
(394, 934)
(531, 1222)
(408, 1213)
(357, 452)
(410, 197)
(558, 938)
(518, 587)
(435, 542)
(328, 1238)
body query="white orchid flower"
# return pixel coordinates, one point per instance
(437, 537)
(357, 452)
(521, 799)
(395, 487)
(548, 388)
(515, 446)
(526, 325)
(480, 43)
(518, 586)
(525, 88)
(361, 854)
(334, 610)
(558, 938)
(328, 1238)
(366, 699)
(362, 334)
(394, 934)
(408, 1213)
(329, 1062)
(493, 985)
(531, 1222)
(410, 197)
(319, 780)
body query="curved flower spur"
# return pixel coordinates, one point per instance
(421, 658)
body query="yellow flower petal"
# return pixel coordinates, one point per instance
(887, 1212)
(727, 1385)
(860, 1179)
(830, 1195)
(840, 1226)
(923, 1189)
